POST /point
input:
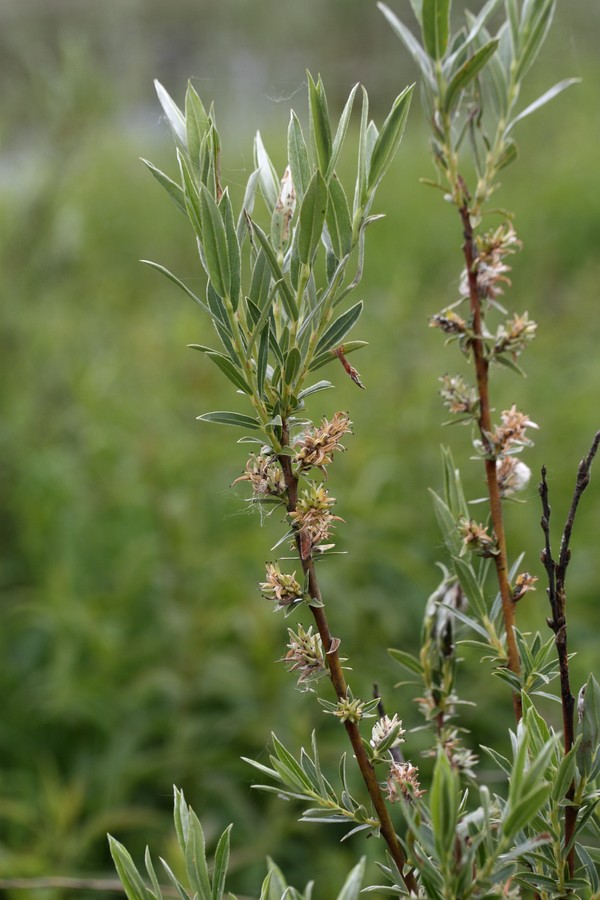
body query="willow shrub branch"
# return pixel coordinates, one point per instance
(274, 293)
(340, 687)
(556, 572)
(481, 365)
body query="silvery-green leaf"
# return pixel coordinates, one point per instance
(339, 224)
(411, 43)
(313, 388)
(360, 191)
(129, 876)
(319, 121)
(541, 101)
(292, 365)
(283, 287)
(311, 218)
(220, 865)
(267, 176)
(230, 371)
(233, 248)
(214, 243)
(589, 717)
(444, 803)
(353, 883)
(174, 115)
(177, 281)
(467, 72)
(341, 133)
(533, 33)
(247, 206)
(197, 124)
(195, 858)
(322, 359)
(172, 188)
(435, 16)
(298, 156)
(224, 417)
(340, 328)
(389, 138)
(190, 194)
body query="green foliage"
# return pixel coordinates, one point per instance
(121, 564)
(202, 884)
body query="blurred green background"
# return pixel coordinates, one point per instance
(135, 649)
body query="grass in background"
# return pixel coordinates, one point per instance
(136, 649)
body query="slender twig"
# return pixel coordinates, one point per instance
(557, 573)
(485, 428)
(338, 681)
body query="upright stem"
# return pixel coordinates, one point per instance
(557, 573)
(485, 428)
(336, 673)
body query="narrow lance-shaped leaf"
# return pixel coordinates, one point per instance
(197, 124)
(195, 859)
(339, 224)
(214, 243)
(589, 715)
(267, 175)
(319, 120)
(533, 34)
(541, 101)
(233, 248)
(298, 156)
(340, 328)
(230, 371)
(467, 73)
(225, 417)
(282, 286)
(312, 218)
(221, 864)
(172, 188)
(292, 365)
(353, 883)
(444, 806)
(129, 876)
(247, 206)
(190, 193)
(178, 282)
(360, 191)
(152, 875)
(389, 138)
(436, 25)
(262, 358)
(174, 115)
(341, 133)
(411, 43)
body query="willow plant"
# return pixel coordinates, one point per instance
(278, 282)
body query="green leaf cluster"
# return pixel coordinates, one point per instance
(274, 289)
(471, 80)
(303, 779)
(190, 839)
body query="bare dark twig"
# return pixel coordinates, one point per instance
(557, 573)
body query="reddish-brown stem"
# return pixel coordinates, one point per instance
(557, 573)
(485, 428)
(341, 689)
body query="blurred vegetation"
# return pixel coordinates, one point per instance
(136, 651)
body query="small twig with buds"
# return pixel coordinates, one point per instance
(557, 572)
(331, 645)
(485, 428)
